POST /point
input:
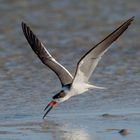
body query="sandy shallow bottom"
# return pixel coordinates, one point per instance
(75, 126)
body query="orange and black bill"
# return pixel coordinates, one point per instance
(52, 104)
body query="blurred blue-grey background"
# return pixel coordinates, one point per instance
(68, 28)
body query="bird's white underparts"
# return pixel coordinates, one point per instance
(79, 83)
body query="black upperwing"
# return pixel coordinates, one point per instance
(62, 73)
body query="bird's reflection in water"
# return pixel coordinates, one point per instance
(64, 131)
(76, 134)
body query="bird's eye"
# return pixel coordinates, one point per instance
(59, 95)
(62, 94)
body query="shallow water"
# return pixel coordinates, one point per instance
(68, 28)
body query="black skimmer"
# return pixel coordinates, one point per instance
(79, 83)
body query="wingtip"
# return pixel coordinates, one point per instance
(131, 19)
(22, 23)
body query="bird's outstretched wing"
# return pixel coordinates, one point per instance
(89, 61)
(63, 74)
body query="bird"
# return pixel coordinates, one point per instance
(79, 83)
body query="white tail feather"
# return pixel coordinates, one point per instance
(93, 86)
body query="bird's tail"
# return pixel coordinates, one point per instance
(97, 87)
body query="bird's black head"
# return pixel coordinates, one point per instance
(58, 98)
(59, 95)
